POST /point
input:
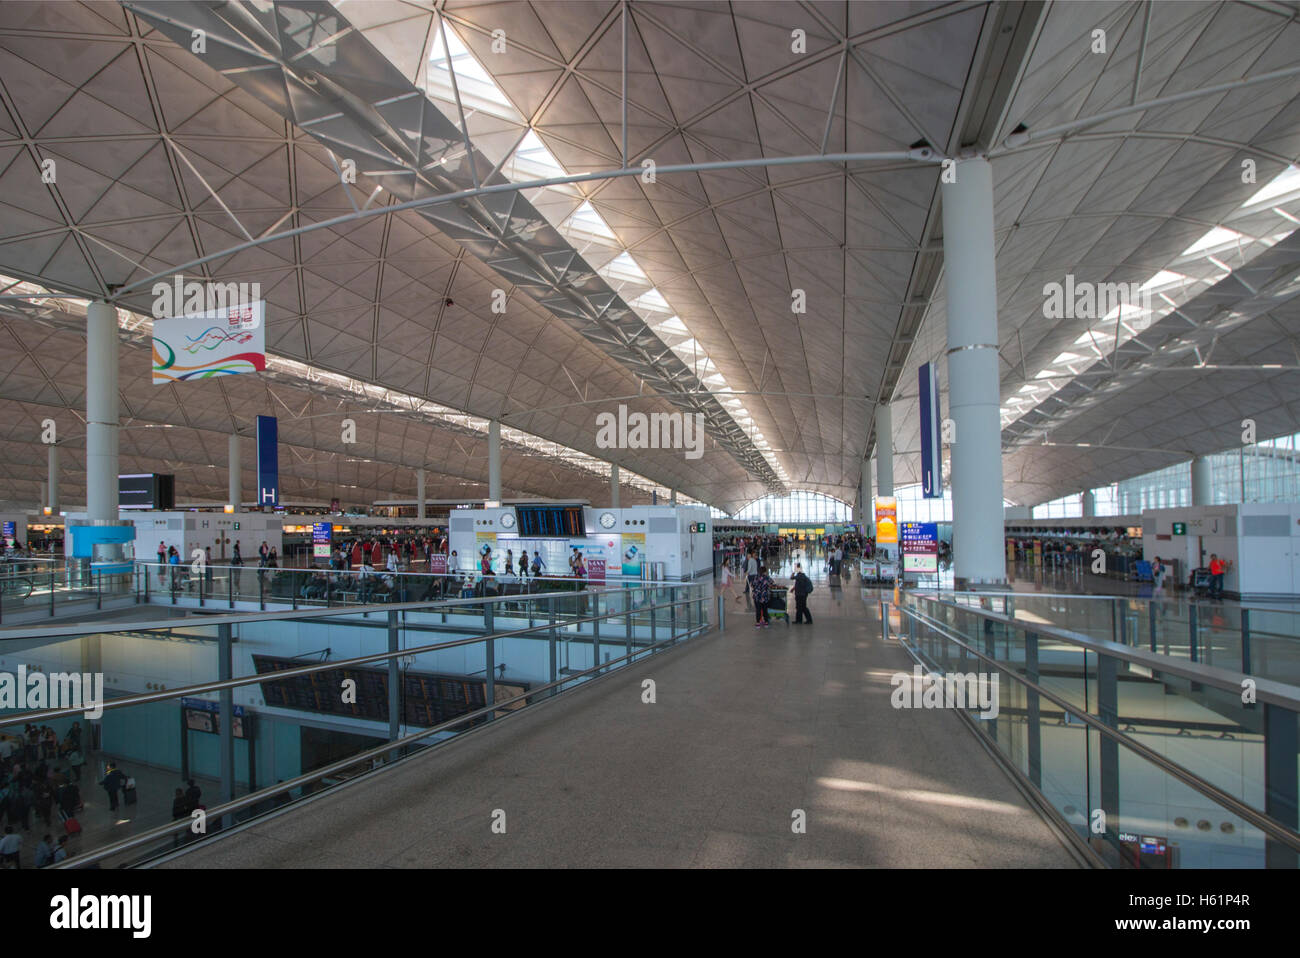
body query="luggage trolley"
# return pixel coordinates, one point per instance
(777, 606)
(1201, 581)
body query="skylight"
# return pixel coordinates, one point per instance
(1166, 290)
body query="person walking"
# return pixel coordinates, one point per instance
(112, 782)
(751, 572)
(237, 566)
(162, 562)
(762, 593)
(802, 588)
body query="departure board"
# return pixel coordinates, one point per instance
(428, 698)
(558, 521)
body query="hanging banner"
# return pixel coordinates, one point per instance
(220, 342)
(931, 434)
(268, 461)
(886, 520)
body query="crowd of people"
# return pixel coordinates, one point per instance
(39, 776)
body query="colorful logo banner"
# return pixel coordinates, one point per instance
(223, 342)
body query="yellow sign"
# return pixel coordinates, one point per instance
(886, 519)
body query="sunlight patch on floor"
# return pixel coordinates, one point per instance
(918, 795)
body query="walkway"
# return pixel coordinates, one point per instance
(749, 725)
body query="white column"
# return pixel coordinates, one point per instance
(101, 412)
(973, 382)
(613, 485)
(52, 492)
(1202, 482)
(494, 461)
(43, 497)
(234, 472)
(1089, 504)
(419, 493)
(884, 450)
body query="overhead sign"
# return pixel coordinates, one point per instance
(321, 533)
(1180, 528)
(931, 435)
(204, 716)
(919, 542)
(886, 520)
(221, 342)
(268, 461)
(10, 533)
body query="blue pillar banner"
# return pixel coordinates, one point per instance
(268, 461)
(931, 435)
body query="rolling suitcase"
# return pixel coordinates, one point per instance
(72, 826)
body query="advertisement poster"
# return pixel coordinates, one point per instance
(224, 342)
(438, 563)
(886, 520)
(10, 533)
(485, 542)
(633, 553)
(596, 569)
(920, 545)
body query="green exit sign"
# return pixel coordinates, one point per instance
(1180, 528)
(236, 526)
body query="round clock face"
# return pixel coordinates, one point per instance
(507, 520)
(607, 519)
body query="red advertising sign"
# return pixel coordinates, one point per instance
(438, 563)
(596, 570)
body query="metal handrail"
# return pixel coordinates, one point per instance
(77, 629)
(1266, 690)
(219, 685)
(1213, 792)
(1096, 596)
(252, 798)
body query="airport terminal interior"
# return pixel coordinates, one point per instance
(684, 434)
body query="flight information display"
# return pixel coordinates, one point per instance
(427, 698)
(563, 521)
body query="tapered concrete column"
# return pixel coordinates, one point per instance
(53, 489)
(101, 412)
(1089, 504)
(494, 461)
(1202, 482)
(884, 450)
(43, 497)
(864, 495)
(234, 472)
(672, 498)
(613, 485)
(973, 383)
(419, 493)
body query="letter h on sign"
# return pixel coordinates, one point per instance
(268, 461)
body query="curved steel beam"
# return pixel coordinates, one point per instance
(920, 156)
